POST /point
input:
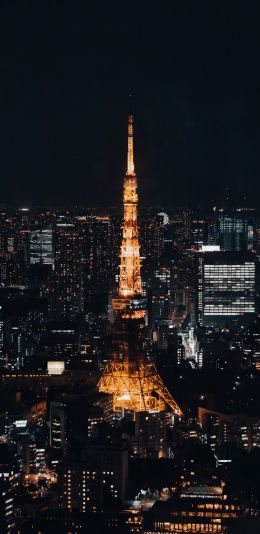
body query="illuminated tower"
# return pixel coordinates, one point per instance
(130, 272)
(129, 376)
(129, 303)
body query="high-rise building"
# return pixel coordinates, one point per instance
(29, 454)
(100, 477)
(69, 276)
(100, 249)
(223, 428)
(129, 376)
(151, 233)
(41, 246)
(150, 435)
(112, 462)
(58, 422)
(226, 288)
(187, 224)
(14, 249)
(232, 229)
(80, 483)
(61, 340)
(6, 507)
(182, 286)
(1, 336)
(159, 295)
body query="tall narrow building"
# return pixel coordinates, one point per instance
(68, 271)
(129, 376)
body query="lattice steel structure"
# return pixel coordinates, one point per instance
(130, 283)
(137, 387)
(129, 377)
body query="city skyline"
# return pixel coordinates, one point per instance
(129, 269)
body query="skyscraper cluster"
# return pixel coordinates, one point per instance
(129, 367)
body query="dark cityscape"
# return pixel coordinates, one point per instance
(129, 268)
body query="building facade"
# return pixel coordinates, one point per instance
(226, 288)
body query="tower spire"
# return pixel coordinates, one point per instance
(130, 138)
(130, 149)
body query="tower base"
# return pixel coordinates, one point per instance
(136, 386)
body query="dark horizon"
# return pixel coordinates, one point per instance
(66, 75)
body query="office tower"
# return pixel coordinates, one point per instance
(58, 424)
(187, 224)
(10, 269)
(226, 288)
(162, 331)
(1, 337)
(129, 377)
(68, 421)
(151, 234)
(14, 249)
(150, 438)
(104, 242)
(29, 454)
(232, 230)
(6, 507)
(96, 479)
(15, 344)
(100, 235)
(167, 345)
(80, 485)
(222, 428)
(182, 286)
(61, 341)
(68, 274)
(40, 457)
(10, 467)
(111, 460)
(41, 246)
(159, 295)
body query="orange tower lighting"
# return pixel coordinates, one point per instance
(130, 269)
(129, 376)
(130, 283)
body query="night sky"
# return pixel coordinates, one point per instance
(67, 69)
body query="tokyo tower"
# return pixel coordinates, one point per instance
(129, 376)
